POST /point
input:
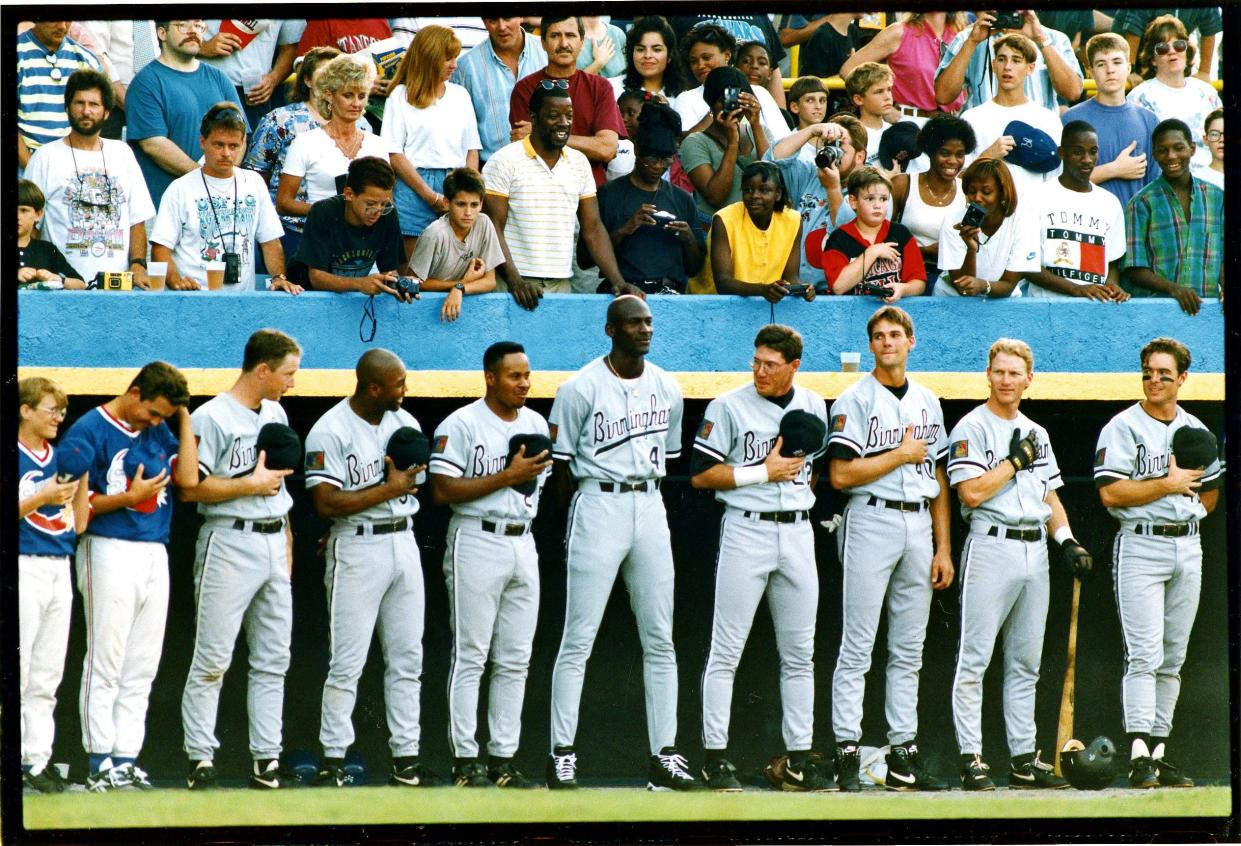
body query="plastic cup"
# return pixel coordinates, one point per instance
(157, 273)
(215, 276)
(849, 361)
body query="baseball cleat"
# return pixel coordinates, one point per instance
(1034, 775)
(411, 775)
(201, 776)
(1170, 775)
(848, 765)
(334, 775)
(562, 769)
(811, 777)
(265, 775)
(507, 775)
(669, 771)
(905, 770)
(976, 775)
(1142, 773)
(132, 778)
(471, 774)
(721, 776)
(47, 780)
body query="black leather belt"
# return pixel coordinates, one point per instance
(386, 527)
(896, 504)
(1027, 535)
(778, 516)
(1166, 530)
(269, 527)
(626, 487)
(511, 530)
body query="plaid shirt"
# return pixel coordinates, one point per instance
(1186, 252)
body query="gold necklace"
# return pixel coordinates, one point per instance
(607, 359)
(348, 148)
(939, 199)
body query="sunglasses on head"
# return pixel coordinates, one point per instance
(1166, 47)
(553, 84)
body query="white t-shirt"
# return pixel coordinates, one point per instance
(873, 137)
(315, 158)
(198, 217)
(91, 200)
(1206, 174)
(1014, 246)
(989, 121)
(1081, 232)
(438, 136)
(692, 108)
(1191, 104)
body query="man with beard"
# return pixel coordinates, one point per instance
(167, 101)
(46, 56)
(97, 203)
(489, 462)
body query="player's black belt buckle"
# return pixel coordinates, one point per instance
(387, 527)
(509, 530)
(1027, 535)
(270, 527)
(778, 516)
(626, 487)
(896, 504)
(1166, 530)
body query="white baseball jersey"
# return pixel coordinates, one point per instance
(226, 432)
(345, 451)
(740, 428)
(617, 430)
(868, 419)
(979, 442)
(1134, 445)
(473, 442)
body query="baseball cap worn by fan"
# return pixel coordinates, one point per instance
(899, 144)
(282, 446)
(803, 434)
(719, 79)
(407, 447)
(1033, 148)
(534, 444)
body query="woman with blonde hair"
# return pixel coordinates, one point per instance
(912, 48)
(430, 125)
(318, 160)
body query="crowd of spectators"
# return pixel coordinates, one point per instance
(959, 155)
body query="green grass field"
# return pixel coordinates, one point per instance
(379, 805)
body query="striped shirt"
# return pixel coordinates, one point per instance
(542, 205)
(490, 83)
(1186, 252)
(41, 78)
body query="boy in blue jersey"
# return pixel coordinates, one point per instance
(50, 513)
(122, 563)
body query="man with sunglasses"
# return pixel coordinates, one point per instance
(46, 56)
(348, 235)
(97, 203)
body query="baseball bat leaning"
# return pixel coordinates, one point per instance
(1064, 729)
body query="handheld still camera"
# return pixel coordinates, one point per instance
(974, 215)
(1007, 19)
(732, 100)
(829, 155)
(408, 285)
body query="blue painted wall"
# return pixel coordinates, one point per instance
(72, 329)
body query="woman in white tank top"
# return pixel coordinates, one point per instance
(922, 201)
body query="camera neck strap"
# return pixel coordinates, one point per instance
(232, 244)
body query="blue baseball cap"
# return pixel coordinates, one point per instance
(1034, 149)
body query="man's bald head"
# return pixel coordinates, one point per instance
(376, 365)
(625, 307)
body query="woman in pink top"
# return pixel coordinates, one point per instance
(912, 49)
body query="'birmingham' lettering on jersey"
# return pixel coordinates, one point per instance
(484, 466)
(363, 474)
(755, 449)
(241, 459)
(980, 441)
(879, 438)
(1147, 465)
(614, 432)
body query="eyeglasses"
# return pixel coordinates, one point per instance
(382, 208)
(553, 84)
(55, 413)
(1215, 135)
(189, 26)
(659, 160)
(1166, 47)
(767, 366)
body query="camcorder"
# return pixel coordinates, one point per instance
(973, 216)
(873, 289)
(1008, 19)
(829, 155)
(732, 100)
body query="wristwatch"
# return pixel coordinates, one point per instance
(460, 286)
(139, 260)
(279, 276)
(1045, 43)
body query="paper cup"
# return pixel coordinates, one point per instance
(215, 275)
(849, 361)
(157, 273)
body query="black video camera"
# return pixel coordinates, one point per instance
(973, 216)
(873, 289)
(232, 268)
(829, 155)
(732, 100)
(1007, 19)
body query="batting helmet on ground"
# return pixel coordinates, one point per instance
(1194, 448)
(1089, 767)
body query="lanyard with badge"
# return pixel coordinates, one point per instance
(232, 261)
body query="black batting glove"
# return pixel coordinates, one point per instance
(1076, 559)
(1023, 451)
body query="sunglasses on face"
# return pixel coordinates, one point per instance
(553, 84)
(1166, 47)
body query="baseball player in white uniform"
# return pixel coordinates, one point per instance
(122, 561)
(886, 451)
(52, 507)
(491, 565)
(766, 548)
(374, 571)
(242, 562)
(1005, 473)
(615, 425)
(1157, 555)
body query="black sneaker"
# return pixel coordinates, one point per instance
(812, 777)
(265, 775)
(905, 771)
(201, 776)
(976, 775)
(1170, 774)
(47, 780)
(334, 776)
(507, 775)
(411, 775)
(562, 769)
(131, 777)
(721, 776)
(669, 771)
(848, 765)
(471, 774)
(1034, 775)
(1142, 773)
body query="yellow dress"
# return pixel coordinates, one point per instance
(758, 256)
